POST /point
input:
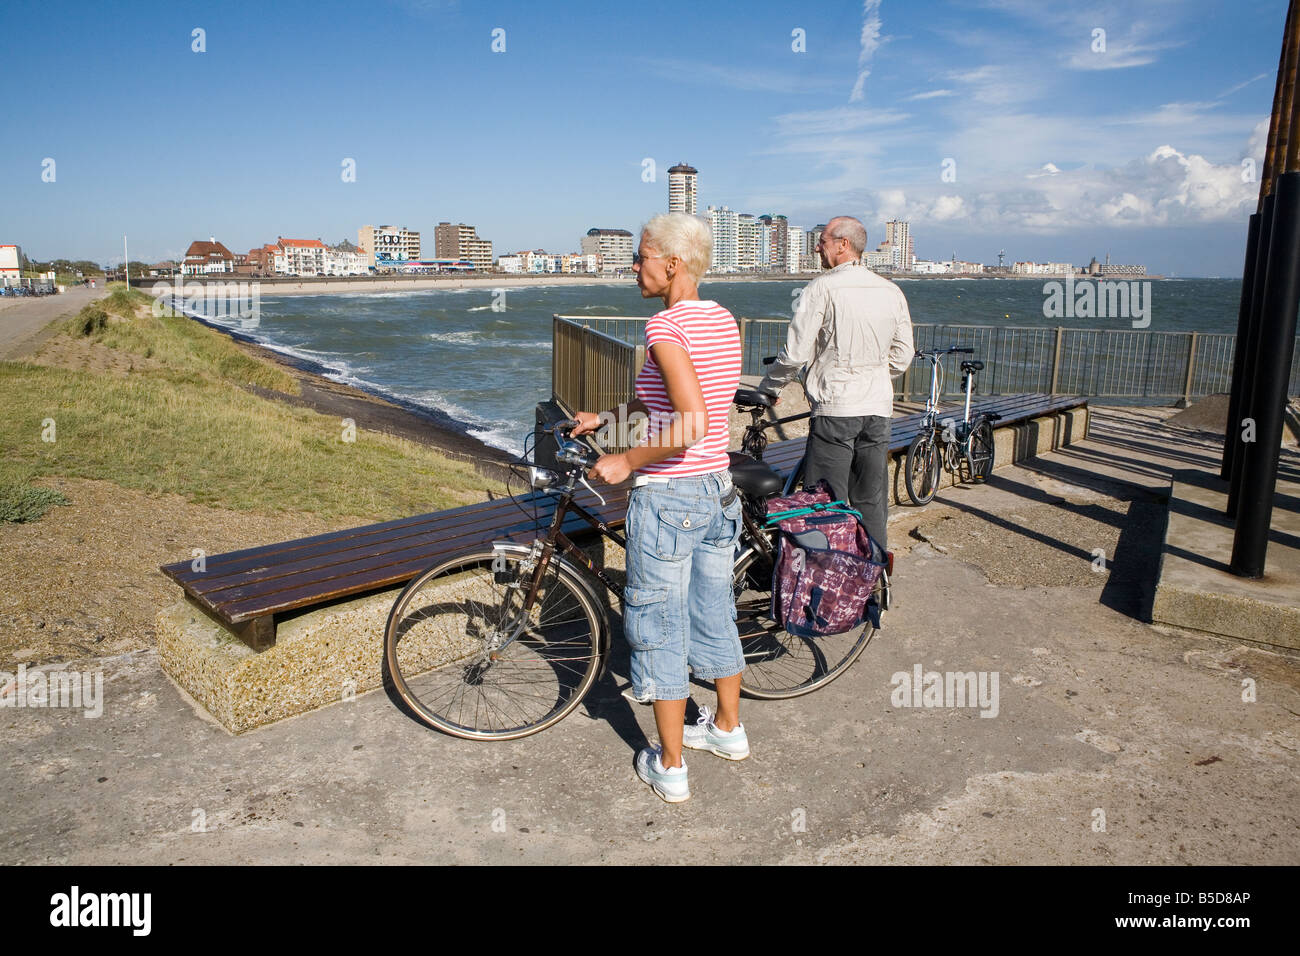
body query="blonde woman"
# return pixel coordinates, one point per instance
(683, 516)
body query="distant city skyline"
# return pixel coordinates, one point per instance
(1054, 134)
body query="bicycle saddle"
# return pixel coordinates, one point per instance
(751, 397)
(753, 477)
(972, 366)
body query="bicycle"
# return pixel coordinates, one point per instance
(503, 641)
(964, 449)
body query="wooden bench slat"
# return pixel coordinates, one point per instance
(307, 592)
(356, 562)
(342, 541)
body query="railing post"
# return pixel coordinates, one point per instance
(1056, 360)
(744, 343)
(583, 383)
(1191, 368)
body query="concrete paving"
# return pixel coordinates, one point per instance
(1099, 739)
(25, 321)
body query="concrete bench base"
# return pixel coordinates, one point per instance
(326, 655)
(335, 652)
(1196, 590)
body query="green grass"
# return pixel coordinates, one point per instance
(186, 428)
(183, 345)
(22, 501)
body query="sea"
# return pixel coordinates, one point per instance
(478, 360)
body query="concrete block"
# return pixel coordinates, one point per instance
(322, 656)
(1195, 589)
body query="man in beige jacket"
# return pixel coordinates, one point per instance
(853, 334)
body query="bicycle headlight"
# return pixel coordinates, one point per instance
(541, 478)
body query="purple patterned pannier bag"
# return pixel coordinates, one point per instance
(825, 576)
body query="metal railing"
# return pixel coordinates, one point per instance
(1119, 366)
(590, 369)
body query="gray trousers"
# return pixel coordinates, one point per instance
(852, 455)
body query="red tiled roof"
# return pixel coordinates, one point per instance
(310, 243)
(200, 249)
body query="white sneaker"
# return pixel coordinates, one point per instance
(668, 782)
(704, 735)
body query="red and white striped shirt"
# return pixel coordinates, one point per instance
(709, 335)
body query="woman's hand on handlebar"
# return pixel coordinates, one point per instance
(612, 469)
(587, 422)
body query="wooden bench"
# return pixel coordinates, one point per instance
(245, 590)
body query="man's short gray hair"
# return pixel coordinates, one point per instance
(846, 227)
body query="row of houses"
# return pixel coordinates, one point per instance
(536, 261)
(289, 257)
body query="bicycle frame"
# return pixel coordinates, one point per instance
(953, 438)
(555, 539)
(546, 545)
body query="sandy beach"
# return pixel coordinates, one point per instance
(340, 286)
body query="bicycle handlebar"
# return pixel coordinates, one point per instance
(570, 450)
(923, 353)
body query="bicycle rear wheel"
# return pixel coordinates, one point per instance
(468, 658)
(779, 665)
(979, 451)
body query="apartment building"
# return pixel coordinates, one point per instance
(725, 226)
(681, 188)
(898, 234)
(794, 246)
(301, 257)
(381, 244)
(462, 242)
(614, 246)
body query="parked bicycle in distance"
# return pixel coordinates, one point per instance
(962, 448)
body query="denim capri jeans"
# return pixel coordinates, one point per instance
(679, 608)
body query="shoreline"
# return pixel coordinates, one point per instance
(370, 409)
(362, 285)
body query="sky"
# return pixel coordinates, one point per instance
(1052, 131)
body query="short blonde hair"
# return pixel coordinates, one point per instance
(680, 234)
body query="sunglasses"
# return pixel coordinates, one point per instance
(637, 258)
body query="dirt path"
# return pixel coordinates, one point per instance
(24, 322)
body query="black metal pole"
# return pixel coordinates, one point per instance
(1250, 361)
(1239, 351)
(1277, 342)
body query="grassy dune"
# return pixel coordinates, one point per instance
(185, 426)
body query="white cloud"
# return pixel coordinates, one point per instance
(869, 42)
(839, 119)
(930, 94)
(1166, 188)
(947, 208)
(1258, 141)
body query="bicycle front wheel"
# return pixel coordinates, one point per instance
(470, 659)
(921, 468)
(779, 665)
(979, 451)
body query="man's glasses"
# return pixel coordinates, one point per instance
(637, 258)
(825, 239)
